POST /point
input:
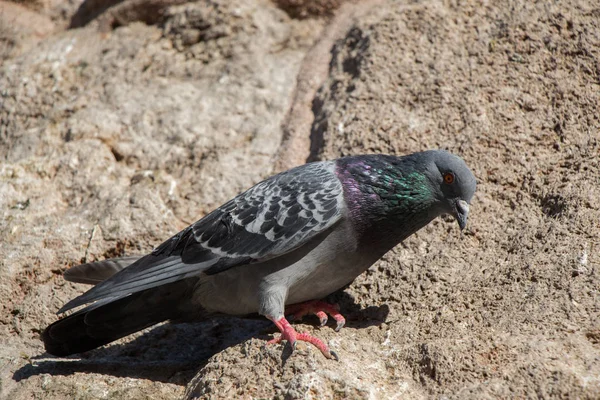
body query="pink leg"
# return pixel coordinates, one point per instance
(318, 308)
(289, 333)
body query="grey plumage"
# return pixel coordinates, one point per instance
(99, 271)
(295, 237)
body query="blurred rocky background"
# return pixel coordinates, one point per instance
(121, 122)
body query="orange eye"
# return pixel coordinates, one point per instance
(449, 178)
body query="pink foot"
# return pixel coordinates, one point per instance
(318, 308)
(289, 333)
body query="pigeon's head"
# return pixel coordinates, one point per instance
(452, 183)
(407, 191)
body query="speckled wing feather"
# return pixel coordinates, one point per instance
(272, 218)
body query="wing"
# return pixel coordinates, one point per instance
(272, 218)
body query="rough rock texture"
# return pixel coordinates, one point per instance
(21, 29)
(111, 142)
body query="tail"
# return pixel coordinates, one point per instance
(96, 272)
(103, 322)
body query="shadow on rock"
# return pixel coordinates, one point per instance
(356, 316)
(173, 353)
(89, 10)
(170, 353)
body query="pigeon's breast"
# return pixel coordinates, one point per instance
(333, 265)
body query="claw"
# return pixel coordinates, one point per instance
(334, 355)
(322, 317)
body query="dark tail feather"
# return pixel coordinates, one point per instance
(93, 327)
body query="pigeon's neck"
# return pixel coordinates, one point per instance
(387, 201)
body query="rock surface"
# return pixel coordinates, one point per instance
(112, 141)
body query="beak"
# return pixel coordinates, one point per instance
(461, 212)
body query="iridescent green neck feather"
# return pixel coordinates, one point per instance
(388, 197)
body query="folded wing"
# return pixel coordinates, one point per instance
(272, 218)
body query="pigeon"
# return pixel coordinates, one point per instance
(276, 249)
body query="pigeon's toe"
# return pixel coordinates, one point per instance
(322, 317)
(289, 334)
(320, 309)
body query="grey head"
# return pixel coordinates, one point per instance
(452, 182)
(400, 195)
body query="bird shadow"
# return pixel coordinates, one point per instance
(356, 316)
(173, 353)
(169, 353)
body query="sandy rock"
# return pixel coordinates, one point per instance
(109, 143)
(21, 28)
